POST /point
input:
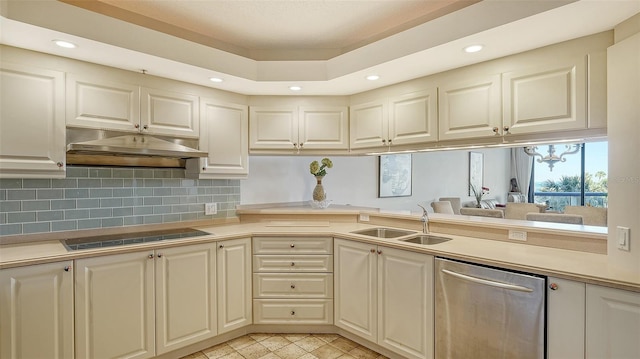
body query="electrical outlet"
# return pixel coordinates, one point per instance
(622, 237)
(518, 235)
(364, 218)
(210, 208)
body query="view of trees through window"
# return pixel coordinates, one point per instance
(581, 180)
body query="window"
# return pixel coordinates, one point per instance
(579, 181)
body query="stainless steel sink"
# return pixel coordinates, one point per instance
(383, 232)
(426, 239)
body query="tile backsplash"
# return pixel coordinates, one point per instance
(99, 197)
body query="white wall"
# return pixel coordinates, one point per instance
(354, 180)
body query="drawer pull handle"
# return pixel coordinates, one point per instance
(293, 312)
(292, 245)
(293, 264)
(293, 286)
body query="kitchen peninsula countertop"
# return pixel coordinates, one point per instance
(581, 266)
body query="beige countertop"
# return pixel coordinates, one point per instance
(581, 266)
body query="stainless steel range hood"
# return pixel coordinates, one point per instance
(109, 148)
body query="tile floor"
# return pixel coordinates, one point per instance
(287, 346)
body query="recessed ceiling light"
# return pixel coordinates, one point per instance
(295, 88)
(216, 79)
(372, 77)
(473, 48)
(65, 44)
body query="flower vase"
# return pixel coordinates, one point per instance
(318, 191)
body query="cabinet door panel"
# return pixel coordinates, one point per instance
(36, 311)
(115, 313)
(470, 108)
(185, 296)
(102, 104)
(545, 99)
(32, 135)
(565, 319)
(324, 128)
(355, 288)
(169, 113)
(224, 134)
(405, 302)
(613, 323)
(234, 284)
(273, 128)
(368, 125)
(414, 118)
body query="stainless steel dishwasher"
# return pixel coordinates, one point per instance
(484, 312)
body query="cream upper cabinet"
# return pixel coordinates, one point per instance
(613, 323)
(36, 311)
(385, 295)
(565, 319)
(470, 108)
(548, 98)
(224, 135)
(402, 120)
(185, 292)
(32, 133)
(169, 113)
(298, 128)
(96, 102)
(369, 124)
(99, 103)
(115, 314)
(234, 284)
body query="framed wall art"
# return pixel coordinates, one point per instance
(394, 175)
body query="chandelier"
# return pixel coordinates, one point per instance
(551, 158)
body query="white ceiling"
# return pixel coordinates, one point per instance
(326, 47)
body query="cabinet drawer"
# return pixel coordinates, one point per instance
(278, 263)
(284, 311)
(293, 245)
(293, 285)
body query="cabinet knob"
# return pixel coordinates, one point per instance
(295, 145)
(67, 268)
(150, 256)
(506, 130)
(379, 251)
(301, 144)
(293, 312)
(221, 246)
(384, 142)
(373, 250)
(159, 255)
(496, 131)
(293, 286)
(59, 164)
(204, 168)
(136, 125)
(145, 127)
(292, 245)
(389, 141)
(293, 264)
(553, 286)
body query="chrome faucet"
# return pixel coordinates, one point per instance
(425, 220)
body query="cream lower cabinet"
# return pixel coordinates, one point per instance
(36, 311)
(613, 323)
(234, 284)
(224, 133)
(32, 131)
(565, 319)
(293, 280)
(385, 295)
(142, 304)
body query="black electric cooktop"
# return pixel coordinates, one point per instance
(115, 240)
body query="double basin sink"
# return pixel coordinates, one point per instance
(390, 233)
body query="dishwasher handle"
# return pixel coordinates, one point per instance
(488, 282)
